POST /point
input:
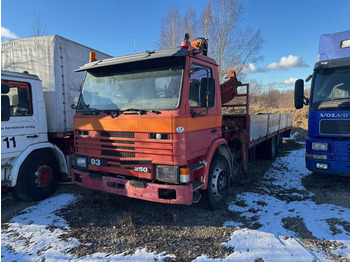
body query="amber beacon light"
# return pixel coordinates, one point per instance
(93, 57)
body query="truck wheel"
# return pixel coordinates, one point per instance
(37, 177)
(271, 148)
(217, 191)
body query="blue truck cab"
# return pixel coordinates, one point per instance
(328, 140)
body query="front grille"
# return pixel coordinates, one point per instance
(113, 144)
(123, 149)
(117, 153)
(335, 127)
(117, 141)
(118, 147)
(117, 134)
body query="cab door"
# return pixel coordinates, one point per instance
(205, 120)
(21, 129)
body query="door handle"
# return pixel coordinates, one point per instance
(33, 136)
(214, 130)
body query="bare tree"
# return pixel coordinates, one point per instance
(38, 28)
(170, 35)
(206, 20)
(230, 45)
(190, 23)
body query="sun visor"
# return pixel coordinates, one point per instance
(147, 55)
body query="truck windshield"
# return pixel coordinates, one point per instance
(152, 85)
(331, 89)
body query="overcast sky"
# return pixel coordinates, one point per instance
(291, 29)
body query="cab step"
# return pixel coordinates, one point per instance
(197, 195)
(197, 185)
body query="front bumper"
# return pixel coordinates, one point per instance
(171, 194)
(334, 167)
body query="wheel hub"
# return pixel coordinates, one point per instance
(219, 183)
(43, 176)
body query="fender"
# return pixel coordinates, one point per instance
(22, 157)
(209, 156)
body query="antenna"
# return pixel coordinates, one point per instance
(134, 44)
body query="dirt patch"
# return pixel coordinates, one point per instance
(296, 224)
(328, 189)
(326, 246)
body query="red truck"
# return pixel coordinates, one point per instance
(150, 126)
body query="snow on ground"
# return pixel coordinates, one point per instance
(34, 235)
(288, 171)
(268, 242)
(252, 245)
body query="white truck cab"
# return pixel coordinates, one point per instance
(29, 162)
(37, 111)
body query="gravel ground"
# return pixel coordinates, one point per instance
(116, 224)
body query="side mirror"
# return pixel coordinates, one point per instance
(5, 108)
(207, 92)
(299, 94)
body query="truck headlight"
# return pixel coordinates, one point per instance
(169, 174)
(80, 161)
(317, 146)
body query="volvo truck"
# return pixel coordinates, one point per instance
(328, 140)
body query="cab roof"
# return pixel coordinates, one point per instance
(144, 56)
(147, 55)
(11, 74)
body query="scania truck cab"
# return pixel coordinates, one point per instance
(150, 126)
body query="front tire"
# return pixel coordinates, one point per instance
(37, 177)
(217, 192)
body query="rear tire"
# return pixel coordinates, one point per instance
(38, 176)
(217, 192)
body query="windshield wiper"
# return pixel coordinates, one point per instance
(139, 111)
(91, 111)
(85, 108)
(344, 105)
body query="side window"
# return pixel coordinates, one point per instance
(20, 97)
(199, 78)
